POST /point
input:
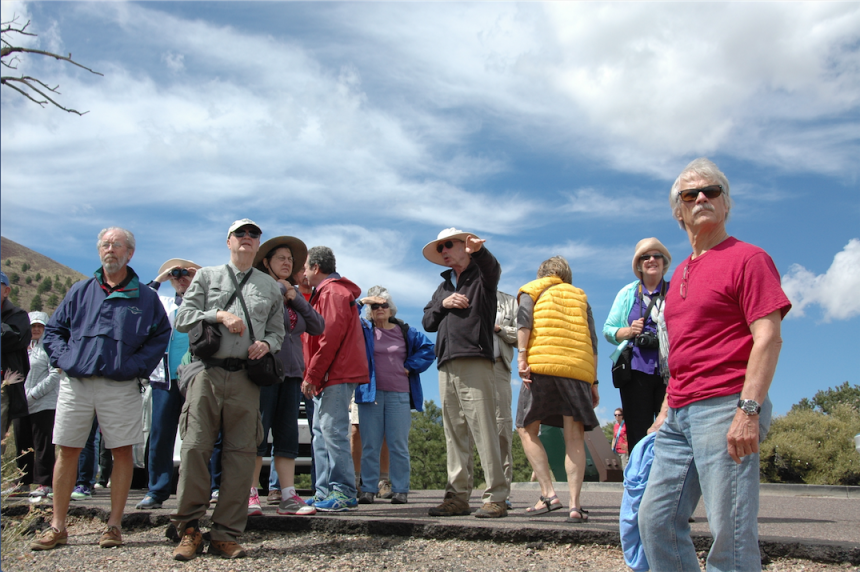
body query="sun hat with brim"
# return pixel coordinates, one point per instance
(447, 234)
(644, 246)
(38, 318)
(298, 248)
(174, 262)
(243, 222)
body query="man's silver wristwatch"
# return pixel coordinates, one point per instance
(749, 406)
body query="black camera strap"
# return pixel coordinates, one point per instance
(657, 296)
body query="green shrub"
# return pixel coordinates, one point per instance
(38, 276)
(812, 447)
(14, 278)
(36, 304)
(25, 267)
(8, 262)
(28, 280)
(53, 301)
(46, 285)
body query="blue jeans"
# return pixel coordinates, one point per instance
(691, 461)
(388, 417)
(166, 407)
(88, 461)
(215, 463)
(332, 456)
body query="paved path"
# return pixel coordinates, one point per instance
(815, 523)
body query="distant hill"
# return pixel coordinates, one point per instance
(33, 274)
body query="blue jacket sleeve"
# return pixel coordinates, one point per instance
(366, 392)
(150, 353)
(55, 340)
(421, 354)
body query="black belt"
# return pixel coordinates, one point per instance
(230, 364)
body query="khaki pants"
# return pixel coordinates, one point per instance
(468, 393)
(218, 400)
(504, 419)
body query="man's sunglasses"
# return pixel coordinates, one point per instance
(449, 244)
(179, 273)
(242, 233)
(647, 257)
(690, 195)
(384, 306)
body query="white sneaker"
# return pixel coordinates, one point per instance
(254, 506)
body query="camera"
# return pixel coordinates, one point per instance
(647, 341)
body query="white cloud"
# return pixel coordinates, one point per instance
(835, 290)
(174, 62)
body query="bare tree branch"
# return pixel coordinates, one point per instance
(31, 83)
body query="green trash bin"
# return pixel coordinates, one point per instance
(553, 441)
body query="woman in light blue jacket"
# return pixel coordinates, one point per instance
(632, 322)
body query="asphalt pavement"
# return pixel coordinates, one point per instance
(814, 523)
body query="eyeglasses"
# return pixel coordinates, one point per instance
(242, 233)
(683, 291)
(619, 415)
(107, 245)
(449, 244)
(179, 273)
(690, 195)
(384, 306)
(647, 257)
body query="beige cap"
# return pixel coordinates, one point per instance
(644, 246)
(243, 222)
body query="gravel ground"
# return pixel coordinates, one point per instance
(148, 549)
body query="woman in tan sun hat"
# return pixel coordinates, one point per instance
(283, 258)
(632, 326)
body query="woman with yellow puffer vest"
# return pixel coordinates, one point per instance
(557, 362)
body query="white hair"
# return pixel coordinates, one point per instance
(707, 170)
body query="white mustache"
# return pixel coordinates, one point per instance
(703, 207)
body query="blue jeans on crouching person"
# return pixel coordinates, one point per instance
(691, 460)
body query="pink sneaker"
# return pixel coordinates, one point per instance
(254, 506)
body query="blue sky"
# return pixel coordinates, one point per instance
(547, 129)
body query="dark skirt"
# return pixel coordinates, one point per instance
(549, 398)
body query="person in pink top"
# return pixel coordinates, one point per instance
(723, 314)
(619, 437)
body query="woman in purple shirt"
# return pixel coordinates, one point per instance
(397, 354)
(632, 322)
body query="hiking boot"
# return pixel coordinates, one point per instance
(384, 489)
(254, 507)
(148, 503)
(492, 510)
(49, 538)
(111, 537)
(398, 498)
(226, 549)
(190, 546)
(451, 506)
(274, 496)
(366, 498)
(336, 501)
(82, 492)
(295, 505)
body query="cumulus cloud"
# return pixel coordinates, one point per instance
(835, 290)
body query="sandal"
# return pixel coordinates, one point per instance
(583, 516)
(549, 504)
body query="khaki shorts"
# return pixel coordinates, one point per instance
(117, 404)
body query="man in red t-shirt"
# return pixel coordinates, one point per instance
(723, 313)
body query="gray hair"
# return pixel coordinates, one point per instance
(323, 257)
(379, 292)
(129, 237)
(707, 170)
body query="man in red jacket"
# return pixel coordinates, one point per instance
(336, 363)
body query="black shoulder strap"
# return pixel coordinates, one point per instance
(238, 293)
(663, 289)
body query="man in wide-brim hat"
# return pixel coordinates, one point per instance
(463, 312)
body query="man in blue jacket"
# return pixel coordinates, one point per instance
(108, 334)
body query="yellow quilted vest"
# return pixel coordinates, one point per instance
(560, 343)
